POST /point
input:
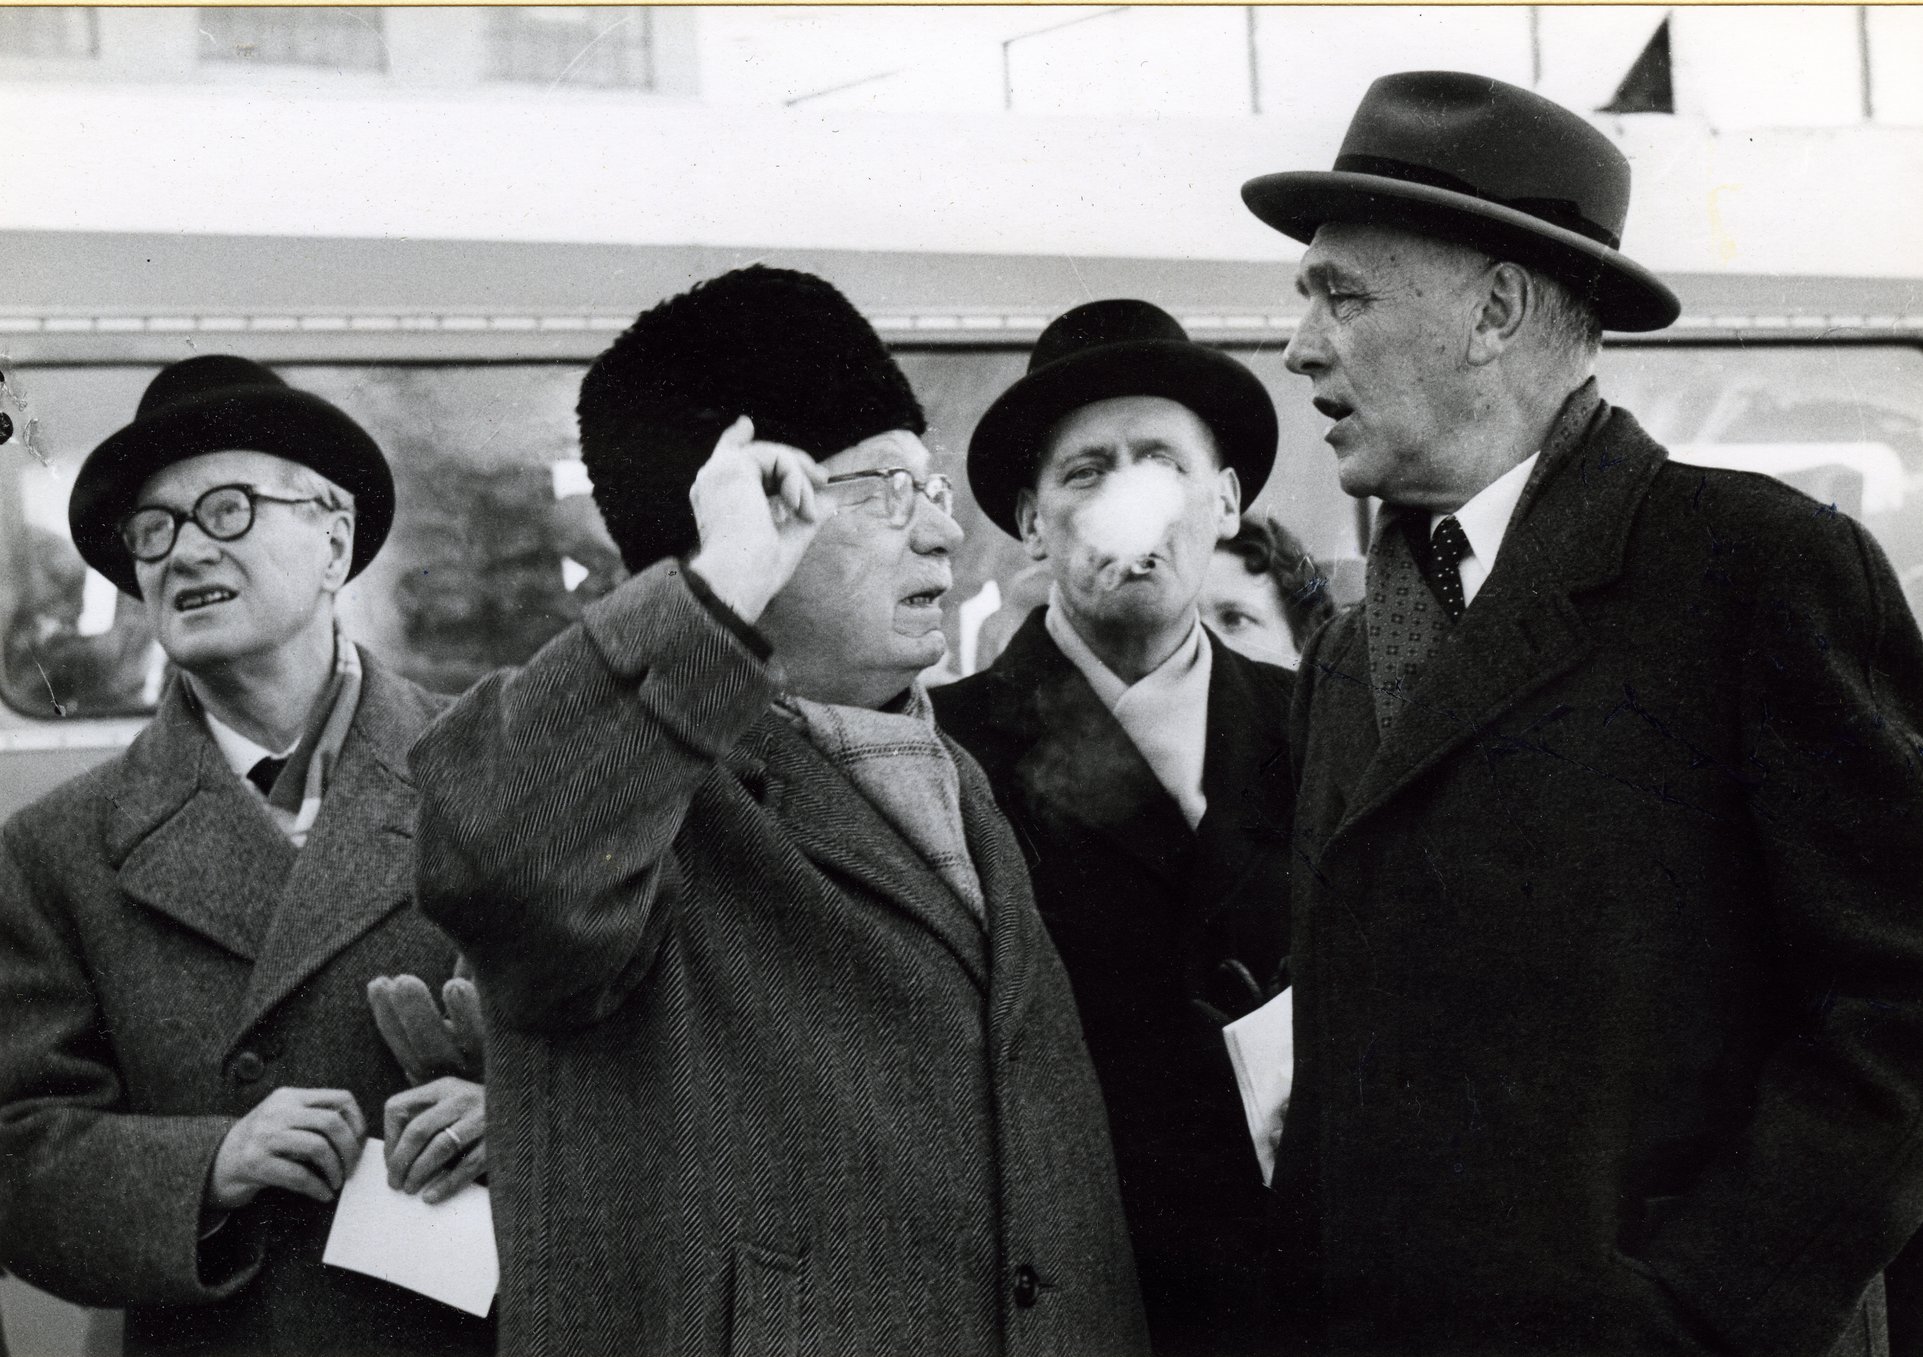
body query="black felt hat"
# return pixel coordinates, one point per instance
(221, 403)
(782, 347)
(1470, 159)
(1101, 350)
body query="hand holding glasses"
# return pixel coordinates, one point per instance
(224, 513)
(899, 490)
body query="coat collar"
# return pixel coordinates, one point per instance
(1078, 764)
(1245, 776)
(1524, 629)
(837, 828)
(190, 841)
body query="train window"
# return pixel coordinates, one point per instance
(497, 544)
(334, 36)
(607, 46)
(49, 31)
(1841, 422)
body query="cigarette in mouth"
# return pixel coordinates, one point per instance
(1138, 568)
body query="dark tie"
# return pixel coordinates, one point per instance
(262, 774)
(1447, 546)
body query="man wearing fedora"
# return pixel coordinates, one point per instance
(188, 932)
(782, 1060)
(1145, 767)
(1608, 912)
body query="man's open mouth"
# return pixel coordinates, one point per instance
(1334, 409)
(191, 600)
(927, 598)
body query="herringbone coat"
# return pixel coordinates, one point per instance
(1608, 957)
(168, 959)
(759, 1082)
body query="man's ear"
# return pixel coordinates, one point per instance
(1507, 296)
(1228, 518)
(1027, 522)
(340, 548)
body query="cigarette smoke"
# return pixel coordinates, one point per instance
(1132, 515)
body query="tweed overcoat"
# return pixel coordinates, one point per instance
(759, 1082)
(1151, 919)
(168, 959)
(1609, 955)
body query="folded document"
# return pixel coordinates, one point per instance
(1262, 1050)
(444, 1251)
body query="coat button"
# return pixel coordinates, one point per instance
(1028, 1286)
(248, 1067)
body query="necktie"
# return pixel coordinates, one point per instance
(262, 774)
(1448, 546)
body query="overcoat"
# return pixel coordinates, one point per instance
(168, 959)
(1156, 923)
(1609, 955)
(759, 1082)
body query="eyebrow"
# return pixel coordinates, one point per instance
(1325, 273)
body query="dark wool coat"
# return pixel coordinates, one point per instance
(168, 959)
(1609, 957)
(758, 1081)
(1150, 918)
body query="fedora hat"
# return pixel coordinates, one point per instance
(1473, 160)
(1101, 350)
(220, 403)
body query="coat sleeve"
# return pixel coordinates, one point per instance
(551, 795)
(1824, 1184)
(97, 1204)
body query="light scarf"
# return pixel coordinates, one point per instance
(898, 762)
(296, 800)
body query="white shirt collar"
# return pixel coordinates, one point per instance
(1165, 713)
(1485, 522)
(240, 752)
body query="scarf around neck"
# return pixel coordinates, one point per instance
(897, 761)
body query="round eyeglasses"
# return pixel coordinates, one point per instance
(224, 513)
(900, 488)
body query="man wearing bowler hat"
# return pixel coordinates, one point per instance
(1144, 765)
(189, 932)
(1608, 911)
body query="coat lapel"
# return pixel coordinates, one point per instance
(1079, 765)
(188, 839)
(1245, 776)
(839, 830)
(1523, 630)
(1015, 931)
(358, 864)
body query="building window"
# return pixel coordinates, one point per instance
(606, 47)
(330, 36)
(56, 31)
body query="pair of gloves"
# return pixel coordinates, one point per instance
(428, 1043)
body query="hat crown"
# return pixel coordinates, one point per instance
(1096, 325)
(1496, 141)
(192, 378)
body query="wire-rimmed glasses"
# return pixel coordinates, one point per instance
(900, 488)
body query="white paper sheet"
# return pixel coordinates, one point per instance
(1262, 1050)
(444, 1251)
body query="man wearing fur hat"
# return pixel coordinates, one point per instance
(1608, 920)
(1145, 767)
(780, 1055)
(188, 933)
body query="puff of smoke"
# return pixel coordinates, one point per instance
(1127, 523)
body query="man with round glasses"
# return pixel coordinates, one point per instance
(780, 1057)
(1145, 766)
(188, 933)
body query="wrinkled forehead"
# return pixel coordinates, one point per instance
(895, 448)
(187, 479)
(1129, 422)
(1348, 251)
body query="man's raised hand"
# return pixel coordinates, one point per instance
(757, 507)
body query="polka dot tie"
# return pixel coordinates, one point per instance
(1447, 547)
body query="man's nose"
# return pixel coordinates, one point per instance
(933, 531)
(192, 545)
(1305, 355)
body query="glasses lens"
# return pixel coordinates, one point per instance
(941, 493)
(901, 496)
(148, 533)
(225, 513)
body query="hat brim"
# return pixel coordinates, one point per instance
(1007, 445)
(281, 421)
(1628, 296)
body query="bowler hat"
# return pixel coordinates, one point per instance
(1101, 350)
(783, 347)
(220, 403)
(1470, 159)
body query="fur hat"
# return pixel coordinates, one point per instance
(782, 347)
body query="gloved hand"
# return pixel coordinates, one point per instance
(427, 1044)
